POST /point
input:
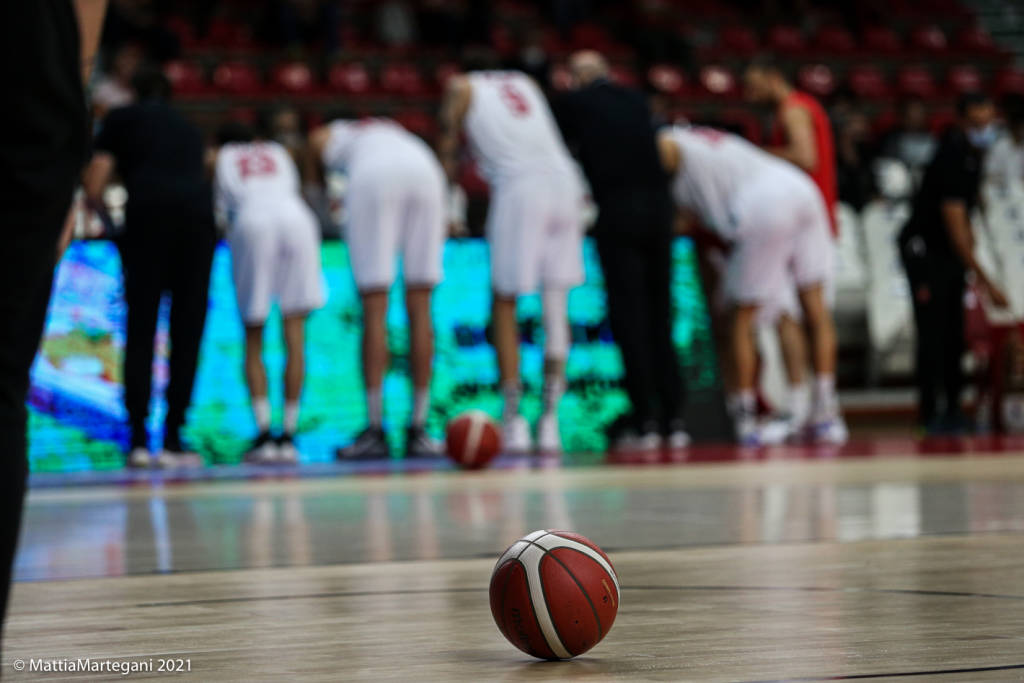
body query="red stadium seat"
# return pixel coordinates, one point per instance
(623, 75)
(402, 79)
(916, 81)
(738, 40)
(590, 37)
(186, 77)
(224, 33)
(183, 29)
(667, 79)
(786, 39)
(817, 79)
(834, 40)
(444, 71)
(293, 77)
(881, 39)
(1010, 80)
(963, 78)
(929, 38)
(237, 78)
(418, 122)
(718, 81)
(974, 39)
(868, 82)
(350, 78)
(941, 120)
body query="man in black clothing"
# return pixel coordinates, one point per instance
(44, 128)
(937, 248)
(610, 130)
(167, 246)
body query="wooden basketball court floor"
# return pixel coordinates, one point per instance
(874, 562)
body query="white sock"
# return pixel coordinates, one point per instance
(826, 403)
(291, 417)
(554, 389)
(374, 407)
(800, 402)
(511, 392)
(743, 402)
(420, 407)
(261, 411)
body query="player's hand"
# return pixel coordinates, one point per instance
(68, 231)
(995, 295)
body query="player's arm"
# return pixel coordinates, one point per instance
(801, 150)
(313, 167)
(958, 225)
(671, 155)
(90, 15)
(453, 111)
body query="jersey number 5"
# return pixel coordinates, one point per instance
(514, 99)
(256, 163)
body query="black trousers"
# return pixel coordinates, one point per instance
(634, 243)
(26, 276)
(937, 287)
(164, 253)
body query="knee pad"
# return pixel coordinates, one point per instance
(555, 305)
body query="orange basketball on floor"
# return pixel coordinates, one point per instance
(472, 440)
(554, 594)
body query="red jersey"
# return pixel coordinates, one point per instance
(824, 173)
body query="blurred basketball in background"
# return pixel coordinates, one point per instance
(554, 594)
(472, 440)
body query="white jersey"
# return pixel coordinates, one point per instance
(511, 129)
(716, 166)
(254, 171)
(1004, 164)
(374, 142)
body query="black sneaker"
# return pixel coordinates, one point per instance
(287, 454)
(262, 451)
(370, 444)
(419, 444)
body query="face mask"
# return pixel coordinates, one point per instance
(982, 138)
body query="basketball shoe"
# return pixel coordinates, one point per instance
(139, 459)
(515, 435)
(370, 444)
(419, 444)
(287, 453)
(549, 440)
(262, 451)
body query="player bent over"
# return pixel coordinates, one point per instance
(395, 202)
(275, 254)
(534, 227)
(775, 222)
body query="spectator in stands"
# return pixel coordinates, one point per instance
(610, 130)
(937, 248)
(1004, 165)
(167, 246)
(854, 160)
(912, 141)
(114, 89)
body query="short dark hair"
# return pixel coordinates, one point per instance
(970, 99)
(233, 131)
(150, 83)
(767, 61)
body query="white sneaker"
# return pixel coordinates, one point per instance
(549, 440)
(172, 460)
(747, 431)
(832, 431)
(140, 459)
(287, 453)
(515, 435)
(677, 438)
(776, 430)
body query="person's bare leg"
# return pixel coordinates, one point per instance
(375, 353)
(793, 343)
(743, 346)
(256, 376)
(823, 358)
(516, 434)
(294, 369)
(421, 349)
